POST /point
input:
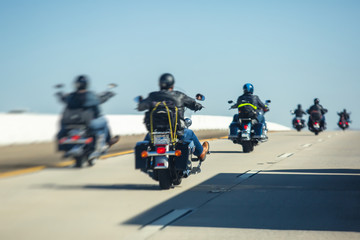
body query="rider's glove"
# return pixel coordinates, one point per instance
(198, 107)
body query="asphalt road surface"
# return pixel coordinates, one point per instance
(295, 186)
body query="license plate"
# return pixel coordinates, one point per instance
(161, 139)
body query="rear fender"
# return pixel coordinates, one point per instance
(161, 162)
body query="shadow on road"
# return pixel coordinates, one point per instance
(226, 152)
(300, 199)
(149, 187)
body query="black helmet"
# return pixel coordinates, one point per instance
(248, 88)
(316, 101)
(81, 82)
(166, 81)
(299, 106)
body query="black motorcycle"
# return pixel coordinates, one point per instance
(343, 123)
(78, 141)
(165, 158)
(315, 122)
(248, 125)
(298, 123)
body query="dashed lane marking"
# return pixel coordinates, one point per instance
(285, 155)
(306, 145)
(159, 224)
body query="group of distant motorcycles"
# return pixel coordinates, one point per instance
(314, 123)
(166, 158)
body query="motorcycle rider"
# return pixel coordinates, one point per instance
(319, 108)
(248, 98)
(345, 114)
(167, 93)
(299, 112)
(84, 99)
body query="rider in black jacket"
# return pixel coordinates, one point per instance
(317, 108)
(299, 112)
(254, 101)
(180, 100)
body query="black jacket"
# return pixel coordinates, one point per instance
(299, 112)
(179, 99)
(252, 99)
(317, 107)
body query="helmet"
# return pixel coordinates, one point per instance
(344, 110)
(299, 106)
(316, 101)
(81, 82)
(166, 81)
(248, 88)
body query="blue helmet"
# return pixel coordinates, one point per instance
(248, 88)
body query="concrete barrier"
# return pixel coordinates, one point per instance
(33, 128)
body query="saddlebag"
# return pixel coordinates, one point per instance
(182, 161)
(141, 163)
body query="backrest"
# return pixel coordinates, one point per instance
(77, 116)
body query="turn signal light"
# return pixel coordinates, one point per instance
(161, 150)
(177, 153)
(144, 154)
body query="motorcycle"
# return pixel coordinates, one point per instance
(164, 157)
(246, 128)
(77, 141)
(298, 123)
(315, 119)
(343, 123)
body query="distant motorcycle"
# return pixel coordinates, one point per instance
(298, 123)
(79, 142)
(248, 125)
(165, 158)
(343, 123)
(315, 118)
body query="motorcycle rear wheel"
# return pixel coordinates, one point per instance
(79, 161)
(247, 146)
(164, 178)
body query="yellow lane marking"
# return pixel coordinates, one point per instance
(71, 162)
(65, 163)
(116, 154)
(22, 171)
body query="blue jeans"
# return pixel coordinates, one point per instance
(188, 137)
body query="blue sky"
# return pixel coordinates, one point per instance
(292, 51)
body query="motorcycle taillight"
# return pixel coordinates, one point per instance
(298, 120)
(161, 150)
(75, 137)
(246, 127)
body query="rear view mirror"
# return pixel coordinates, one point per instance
(230, 101)
(268, 101)
(112, 85)
(200, 97)
(138, 99)
(59, 86)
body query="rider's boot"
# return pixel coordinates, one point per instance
(206, 147)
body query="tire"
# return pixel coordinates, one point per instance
(247, 146)
(79, 161)
(177, 181)
(316, 133)
(164, 178)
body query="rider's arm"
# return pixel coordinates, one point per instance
(103, 97)
(62, 97)
(144, 104)
(191, 103)
(261, 104)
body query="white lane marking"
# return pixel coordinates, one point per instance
(285, 155)
(329, 136)
(320, 140)
(306, 145)
(159, 224)
(248, 174)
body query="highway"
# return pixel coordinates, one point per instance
(295, 186)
